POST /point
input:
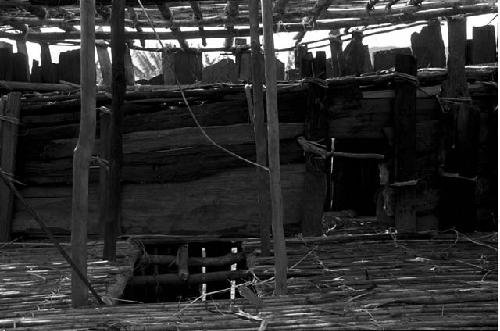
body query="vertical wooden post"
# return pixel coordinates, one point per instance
(83, 153)
(483, 44)
(49, 69)
(459, 193)
(104, 123)
(337, 56)
(129, 67)
(115, 151)
(9, 108)
(22, 60)
(315, 180)
(259, 128)
(307, 66)
(405, 145)
(104, 62)
(320, 65)
(280, 264)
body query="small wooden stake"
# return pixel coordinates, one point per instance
(259, 128)
(405, 145)
(280, 264)
(9, 108)
(82, 153)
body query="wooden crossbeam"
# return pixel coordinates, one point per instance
(232, 12)
(165, 11)
(320, 7)
(198, 16)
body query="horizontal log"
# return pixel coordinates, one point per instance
(227, 201)
(41, 87)
(173, 279)
(218, 261)
(176, 165)
(158, 115)
(165, 140)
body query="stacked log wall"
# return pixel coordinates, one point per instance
(174, 180)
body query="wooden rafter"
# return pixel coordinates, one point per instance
(320, 7)
(165, 11)
(198, 16)
(232, 12)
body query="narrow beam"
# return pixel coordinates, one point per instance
(82, 154)
(280, 258)
(259, 127)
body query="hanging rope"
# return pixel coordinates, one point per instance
(193, 116)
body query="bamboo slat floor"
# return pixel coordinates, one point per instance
(343, 281)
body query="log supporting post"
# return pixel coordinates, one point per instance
(280, 264)
(458, 200)
(112, 210)
(9, 110)
(337, 57)
(129, 66)
(405, 146)
(104, 123)
(259, 128)
(299, 52)
(483, 44)
(83, 153)
(315, 181)
(320, 65)
(104, 63)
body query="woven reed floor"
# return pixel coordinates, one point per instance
(348, 280)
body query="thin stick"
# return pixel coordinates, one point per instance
(44, 227)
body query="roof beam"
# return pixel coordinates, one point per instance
(165, 11)
(319, 7)
(198, 16)
(232, 12)
(406, 17)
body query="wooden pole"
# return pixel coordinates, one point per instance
(316, 181)
(337, 57)
(280, 258)
(10, 109)
(259, 127)
(458, 198)
(115, 152)
(82, 153)
(405, 146)
(104, 62)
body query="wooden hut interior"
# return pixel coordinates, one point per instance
(146, 186)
